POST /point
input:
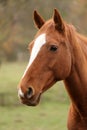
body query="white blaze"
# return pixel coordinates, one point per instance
(20, 93)
(39, 42)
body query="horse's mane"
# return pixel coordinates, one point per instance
(74, 33)
(77, 38)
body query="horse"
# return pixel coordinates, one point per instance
(58, 52)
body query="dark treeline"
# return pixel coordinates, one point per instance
(16, 22)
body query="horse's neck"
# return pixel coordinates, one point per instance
(83, 43)
(76, 83)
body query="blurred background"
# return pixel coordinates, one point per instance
(16, 31)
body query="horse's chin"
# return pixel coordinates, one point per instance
(34, 101)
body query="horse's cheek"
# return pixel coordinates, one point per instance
(63, 71)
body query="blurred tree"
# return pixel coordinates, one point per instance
(16, 26)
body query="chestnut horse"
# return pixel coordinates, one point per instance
(58, 52)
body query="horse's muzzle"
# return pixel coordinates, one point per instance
(33, 101)
(29, 98)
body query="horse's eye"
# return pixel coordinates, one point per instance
(53, 48)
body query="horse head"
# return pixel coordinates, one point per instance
(50, 59)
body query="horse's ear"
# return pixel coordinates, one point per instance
(59, 24)
(39, 21)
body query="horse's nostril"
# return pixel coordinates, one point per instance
(30, 92)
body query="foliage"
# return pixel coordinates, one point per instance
(16, 26)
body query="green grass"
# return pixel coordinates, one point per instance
(10, 74)
(50, 114)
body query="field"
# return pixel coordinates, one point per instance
(50, 114)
